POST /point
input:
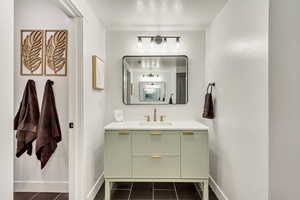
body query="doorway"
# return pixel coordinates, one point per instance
(57, 180)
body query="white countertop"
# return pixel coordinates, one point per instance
(168, 125)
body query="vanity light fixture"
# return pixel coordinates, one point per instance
(158, 39)
(150, 75)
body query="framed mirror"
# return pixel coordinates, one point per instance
(155, 80)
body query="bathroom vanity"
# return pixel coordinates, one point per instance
(156, 152)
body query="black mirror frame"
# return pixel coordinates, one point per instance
(150, 56)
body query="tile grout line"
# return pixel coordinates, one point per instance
(32, 198)
(165, 189)
(120, 189)
(131, 186)
(199, 191)
(57, 196)
(152, 191)
(175, 191)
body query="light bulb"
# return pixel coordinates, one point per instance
(140, 45)
(165, 43)
(177, 42)
(152, 42)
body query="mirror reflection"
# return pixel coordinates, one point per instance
(155, 80)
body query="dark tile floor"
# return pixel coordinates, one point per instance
(154, 191)
(40, 196)
(131, 191)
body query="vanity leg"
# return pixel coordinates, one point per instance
(107, 190)
(205, 190)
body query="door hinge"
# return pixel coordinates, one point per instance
(71, 125)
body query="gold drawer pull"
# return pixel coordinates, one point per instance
(188, 133)
(155, 133)
(156, 156)
(123, 133)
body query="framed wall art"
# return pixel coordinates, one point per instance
(32, 52)
(98, 73)
(56, 52)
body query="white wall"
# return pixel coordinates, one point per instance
(42, 14)
(6, 106)
(284, 99)
(237, 60)
(121, 43)
(92, 137)
(94, 104)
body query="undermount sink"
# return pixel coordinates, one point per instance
(156, 123)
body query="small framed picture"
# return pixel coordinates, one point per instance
(98, 73)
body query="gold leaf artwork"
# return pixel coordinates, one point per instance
(31, 52)
(56, 51)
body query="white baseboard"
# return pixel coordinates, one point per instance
(41, 186)
(94, 190)
(217, 190)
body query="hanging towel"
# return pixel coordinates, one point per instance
(171, 99)
(208, 111)
(27, 119)
(49, 132)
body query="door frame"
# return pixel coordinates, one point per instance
(7, 99)
(75, 100)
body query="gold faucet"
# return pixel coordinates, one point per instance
(162, 118)
(154, 116)
(147, 117)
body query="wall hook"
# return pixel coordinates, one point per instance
(212, 84)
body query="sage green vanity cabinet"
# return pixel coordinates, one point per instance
(156, 156)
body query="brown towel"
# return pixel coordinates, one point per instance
(27, 119)
(49, 133)
(208, 111)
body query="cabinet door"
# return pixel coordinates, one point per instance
(194, 155)
(117, 161)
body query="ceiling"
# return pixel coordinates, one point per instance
(130, 14)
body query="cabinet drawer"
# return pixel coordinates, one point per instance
(156, 166)
(160, 142)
